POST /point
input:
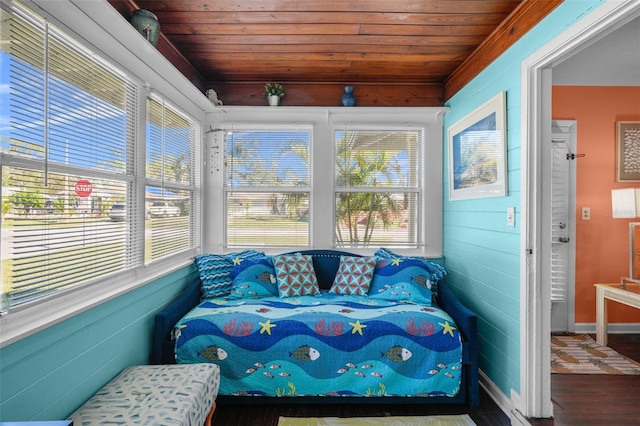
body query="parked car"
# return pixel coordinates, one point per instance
(118, 213)
(49, 207)
(164, 208)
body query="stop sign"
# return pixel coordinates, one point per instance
(83, 188)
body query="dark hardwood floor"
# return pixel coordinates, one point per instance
(487, 413)
(578, 400)
(597, 399)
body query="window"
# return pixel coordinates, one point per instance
(377, 188)
(344, 178)
(267, 187)
(73, 189)
(170, 180)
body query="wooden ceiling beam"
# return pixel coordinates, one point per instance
(517, 24)
(329, 94)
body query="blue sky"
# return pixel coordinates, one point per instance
(73, 138)
(271, 147)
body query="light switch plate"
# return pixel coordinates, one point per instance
(511, 216)
(586, 213)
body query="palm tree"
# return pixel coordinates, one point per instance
(358, 168)
(295, 202)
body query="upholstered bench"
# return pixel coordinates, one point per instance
(154, 395)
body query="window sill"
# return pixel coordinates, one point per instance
(24, 322)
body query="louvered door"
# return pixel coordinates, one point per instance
(562, 227)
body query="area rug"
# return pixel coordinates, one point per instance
(449, 420)
(580, 354)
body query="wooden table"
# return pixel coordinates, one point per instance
(629, 295)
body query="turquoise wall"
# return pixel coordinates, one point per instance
(50, 374)
(481, 251)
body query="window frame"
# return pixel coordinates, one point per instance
(324, 121)
(418, 188)
(102, 31)
(299, 127)
(172, 185)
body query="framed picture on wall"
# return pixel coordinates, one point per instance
(478, 152)
(628, 151)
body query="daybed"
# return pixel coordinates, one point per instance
(361, 333)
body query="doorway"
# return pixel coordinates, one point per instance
(535, 330)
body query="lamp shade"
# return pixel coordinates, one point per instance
(625, 202)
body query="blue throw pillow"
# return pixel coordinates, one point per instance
(402, 279)
(437, 272)
(254, 277)
(215, 271)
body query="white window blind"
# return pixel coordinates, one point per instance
(267, 187)
(378, 182)
(170, 180)
(67, 158)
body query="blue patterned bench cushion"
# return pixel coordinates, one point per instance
(154, 395)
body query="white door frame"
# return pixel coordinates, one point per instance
(535, 305)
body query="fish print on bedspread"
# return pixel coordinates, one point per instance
(334, 345)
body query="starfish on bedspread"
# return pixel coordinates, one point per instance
(357, 327)
(266, 327)
(448, 328)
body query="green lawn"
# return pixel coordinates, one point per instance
(272, 231)
(84, 263)
(72, 267)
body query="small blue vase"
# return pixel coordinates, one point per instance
(348, 99)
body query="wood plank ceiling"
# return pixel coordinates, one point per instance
(394, 52)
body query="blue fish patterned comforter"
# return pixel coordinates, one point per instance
(332, 345)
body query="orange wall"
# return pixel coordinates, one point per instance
(602, 244)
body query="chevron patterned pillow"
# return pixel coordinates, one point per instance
(215, 271)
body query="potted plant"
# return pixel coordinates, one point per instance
(273, 92)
